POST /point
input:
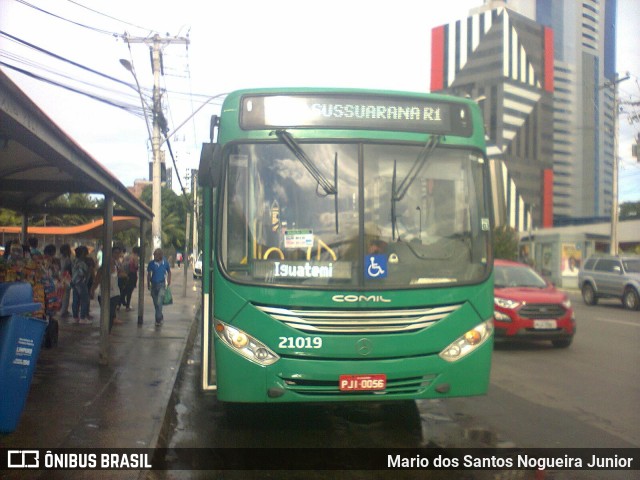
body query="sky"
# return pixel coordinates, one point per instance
(236, 44)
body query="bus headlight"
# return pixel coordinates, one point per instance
(468, 342)
(245, 344)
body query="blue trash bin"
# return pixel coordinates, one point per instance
(20, 340)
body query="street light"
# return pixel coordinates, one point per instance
(127, 64)
(156, 205)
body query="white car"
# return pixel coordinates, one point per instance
(197, 268)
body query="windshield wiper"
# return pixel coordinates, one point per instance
(292, 145)
(335, 197)
(413, 172)
(398, 193)
(394, 220)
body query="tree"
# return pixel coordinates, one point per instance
(128, 238)
(73, 200)
(505, 243)
(9, 217)
(630, 209)
(68, 200)
(174, 217)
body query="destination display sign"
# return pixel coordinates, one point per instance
(355, 112)
(269, 270)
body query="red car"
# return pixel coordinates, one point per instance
(528, 307)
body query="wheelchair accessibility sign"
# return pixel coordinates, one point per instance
(375, 266)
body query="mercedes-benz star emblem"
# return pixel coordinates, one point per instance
(364, 346)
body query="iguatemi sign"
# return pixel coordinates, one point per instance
(288, 270)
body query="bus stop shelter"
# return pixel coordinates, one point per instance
(39, 162)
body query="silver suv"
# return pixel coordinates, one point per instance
(611, 276)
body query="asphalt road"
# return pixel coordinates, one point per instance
(584, 396)
(540, 397)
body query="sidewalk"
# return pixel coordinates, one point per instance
(74, 402)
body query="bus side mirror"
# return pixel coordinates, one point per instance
(210, 167)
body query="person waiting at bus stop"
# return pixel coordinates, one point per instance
(159, 278)
(80, 286)
(114, 291)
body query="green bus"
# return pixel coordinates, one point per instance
(347, 247)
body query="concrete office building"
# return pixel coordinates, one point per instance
(540, 66)
(585, 53)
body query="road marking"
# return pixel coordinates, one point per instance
(621, 322)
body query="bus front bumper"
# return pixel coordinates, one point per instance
(317, 380)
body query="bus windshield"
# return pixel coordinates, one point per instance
(372, 215)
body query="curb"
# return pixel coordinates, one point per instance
(162, 434)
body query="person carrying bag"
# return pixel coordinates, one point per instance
(158, 282)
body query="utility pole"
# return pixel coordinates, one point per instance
(613, 247)
(194, 189)
(156, 43)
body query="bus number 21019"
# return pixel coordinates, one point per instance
(300, 342)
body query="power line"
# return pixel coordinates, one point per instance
(88, 69)
(119, 104)
(129, 108)
(110, 17)
(63, 59)
(95, 29)
(31, 63)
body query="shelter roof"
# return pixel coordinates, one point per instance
(39, 161)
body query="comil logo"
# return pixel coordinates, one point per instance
(23, 459)
(359, 298)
